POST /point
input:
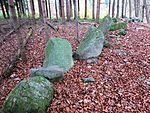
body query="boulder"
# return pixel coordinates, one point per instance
(52, 73)
(120, 25)
(58, 52)
(106, 24)
(91, 45)
(30, 96)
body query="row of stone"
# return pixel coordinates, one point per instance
(36, 93)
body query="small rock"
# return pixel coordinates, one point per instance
(88, 79)
(92, 61)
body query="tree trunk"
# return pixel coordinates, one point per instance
(136, 6)
(27, 8)
(68, 10)
(18, 10)
(13, 13)
(126, 8)
(79, 8)
(76, 19)
(22, 7)
(32, 10)
(147, 9)
(117, 9)
(46, 8)
(98, 11)
(130, 12)
(109, 7)
(49, 4)
(3, 9)
(71, 8)
(113, 9)
(143, 7)
(93, 10)
(62, 11)
(85, 15)
(122, 13)
(40, 10)
(56, 10)
(7, 8)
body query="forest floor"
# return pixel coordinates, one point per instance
(122, 74)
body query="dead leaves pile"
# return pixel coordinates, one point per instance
(122, 80)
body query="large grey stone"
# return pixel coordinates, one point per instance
(92, 44)
(52, 73)
(105, 24)
(58, 52)
(29, 96)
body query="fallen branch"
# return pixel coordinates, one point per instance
(52, 26)
(19, 53)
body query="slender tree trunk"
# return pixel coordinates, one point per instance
(13, 13)
(18, 10)
(46, 8)
(147, 9)
(109, 7)
(27, 8)
(113, 9)
(143, 7)
(78, 8)
(56, 9)
(7, 8)
(76, 19)
(3, 9)
(85, 15)
(98, 11)
(136, 6)
(32, 10)
(122, 13)
(40, 10)
(126, 8)
(68, 10)
(62, 10)
(117, 9)
(22, 7)
(49, 4)
(130, 12)
(71, 14)
(93, 10)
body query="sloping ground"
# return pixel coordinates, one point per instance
(122, 75)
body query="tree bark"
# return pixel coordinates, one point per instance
(113, 9)
(122, 13)
(3, 11)
(78, 8)
(40, 10)
(76, 19)
(93, 10)
(130, 12)
(98, 11)
(13, 13)
(56, 10)
(32, 10)
(109, 7)
(62, 11)
(147, 9)
(7, 8)
(126, 3)
(117, 9)
(136, 6)
(49, 4)
(68, 10)
(71, 14)
(85, 15)
(46, 8)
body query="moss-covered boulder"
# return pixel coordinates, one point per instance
(52, 73)
(120, 25)
(91, 45)
(58, 52)
(29, 96)
(106, 24)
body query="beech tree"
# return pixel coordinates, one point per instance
(56, 9)
(122, 12)
(68, 9)
(32, 10)
(93, 10)
(130, 12)
(13, 13)
(113, 9)
(98, 11)
(62, 10)
(117, 9)
(85, 15)
(109, 7)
